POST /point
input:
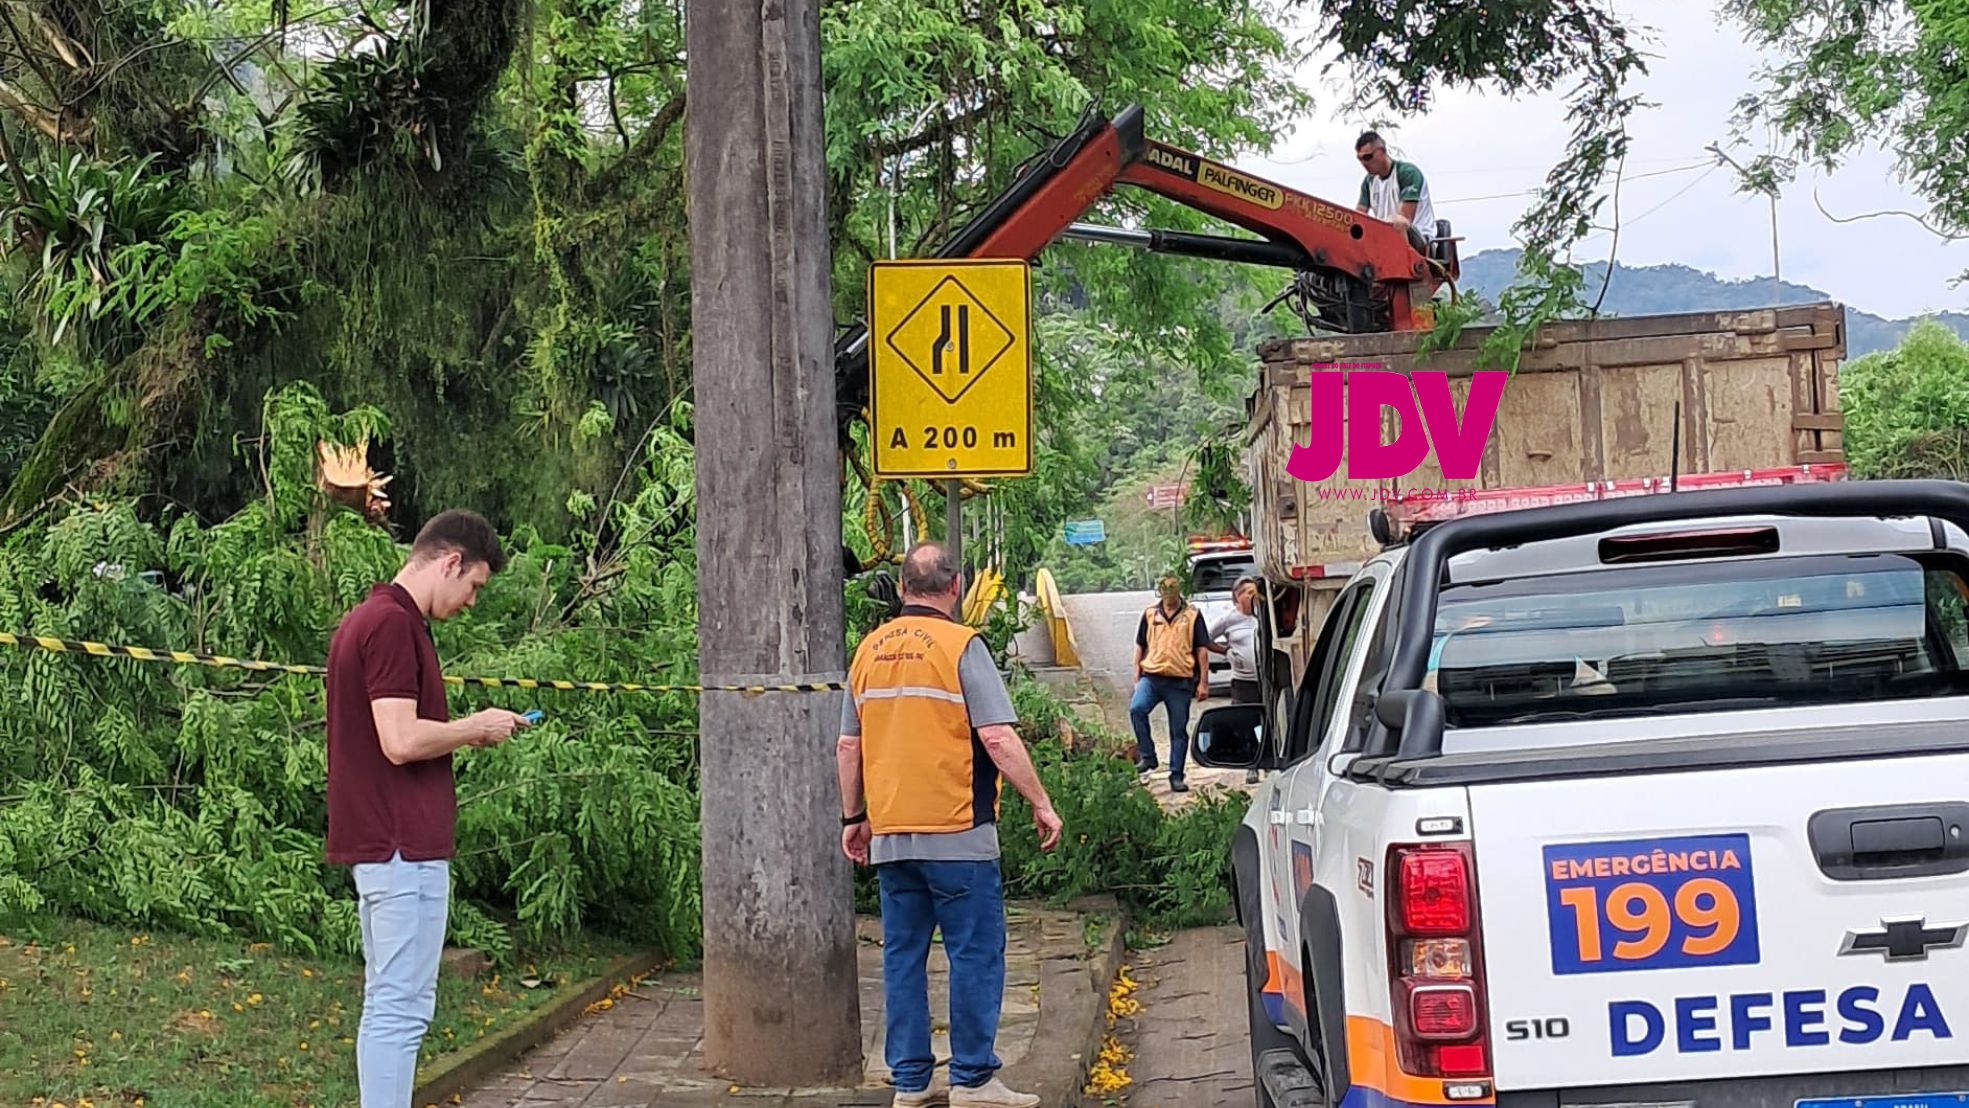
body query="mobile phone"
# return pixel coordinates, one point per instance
(531, 716)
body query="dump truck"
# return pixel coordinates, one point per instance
(1596, 409)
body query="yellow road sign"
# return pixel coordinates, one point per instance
(950, 367)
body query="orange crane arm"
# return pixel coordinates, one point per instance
(1355, 273)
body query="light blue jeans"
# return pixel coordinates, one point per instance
(403, 906)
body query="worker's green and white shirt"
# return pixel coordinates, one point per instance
(1384, 196)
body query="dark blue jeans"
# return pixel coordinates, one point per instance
(966, 901)
(1174, 694)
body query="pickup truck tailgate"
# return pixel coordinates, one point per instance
(1753, 922)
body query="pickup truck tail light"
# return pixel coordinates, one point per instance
(1435, 893)
(1436, 964)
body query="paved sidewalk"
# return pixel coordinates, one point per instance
(645, 1050)
(1191, 1043)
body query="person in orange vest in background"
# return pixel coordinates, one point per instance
(1172, 645)
(926, 730)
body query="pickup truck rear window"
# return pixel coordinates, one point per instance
(1758, 632)
(1219, 576)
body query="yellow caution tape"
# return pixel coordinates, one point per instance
(220, 661)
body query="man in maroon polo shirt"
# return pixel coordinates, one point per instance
(391, 805)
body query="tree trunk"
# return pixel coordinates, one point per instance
(780, 997)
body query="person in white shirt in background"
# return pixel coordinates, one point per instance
(1237, 637)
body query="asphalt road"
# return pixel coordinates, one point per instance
(1104, 631)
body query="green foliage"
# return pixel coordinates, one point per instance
(390, 205)
(1219, 495)
(1542, 291)
(1170, 870)
(1861, 73)
(1907, 409)
(94, 226)
(192, 799)
(296, 418)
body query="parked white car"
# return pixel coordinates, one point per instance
(1213, 573)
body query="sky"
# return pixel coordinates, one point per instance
(1475, 145)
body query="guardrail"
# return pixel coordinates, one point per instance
(985, 590)
(1065, 652)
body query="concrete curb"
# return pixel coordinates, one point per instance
(1084, 1023)
(486, 1059)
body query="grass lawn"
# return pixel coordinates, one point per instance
(94, 1017)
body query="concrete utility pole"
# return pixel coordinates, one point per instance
(1777, 266)
(780, 996)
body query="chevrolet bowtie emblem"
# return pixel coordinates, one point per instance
(1906, 939)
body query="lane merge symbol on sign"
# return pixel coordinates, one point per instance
(951, 374)
(963, 338)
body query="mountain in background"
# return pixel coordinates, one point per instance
(1662, 289)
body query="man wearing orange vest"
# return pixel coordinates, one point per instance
(1172, 645)
(926, 730)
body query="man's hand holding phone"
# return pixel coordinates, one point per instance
(492, 726)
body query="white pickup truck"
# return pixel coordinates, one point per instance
(1645, 802)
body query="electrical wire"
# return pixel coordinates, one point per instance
(1677, 196)
(1534, 192)
(1594, 238)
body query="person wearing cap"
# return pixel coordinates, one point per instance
(1172, 669)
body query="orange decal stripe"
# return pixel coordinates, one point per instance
(1372, 1060)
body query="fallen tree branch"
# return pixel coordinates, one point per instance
(72, 53)
(31, 56)
(52, 124)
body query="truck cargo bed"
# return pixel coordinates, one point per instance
(1591, 401)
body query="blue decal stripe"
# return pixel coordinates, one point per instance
(1274, 1008)
(1360, 1096)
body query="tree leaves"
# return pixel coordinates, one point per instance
(1907, 409)
(194, 798)
(1856, 73)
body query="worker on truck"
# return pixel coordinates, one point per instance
(1395, 191)
(1172, 668)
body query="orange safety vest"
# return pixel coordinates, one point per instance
(923, 767)
(1172, 648)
